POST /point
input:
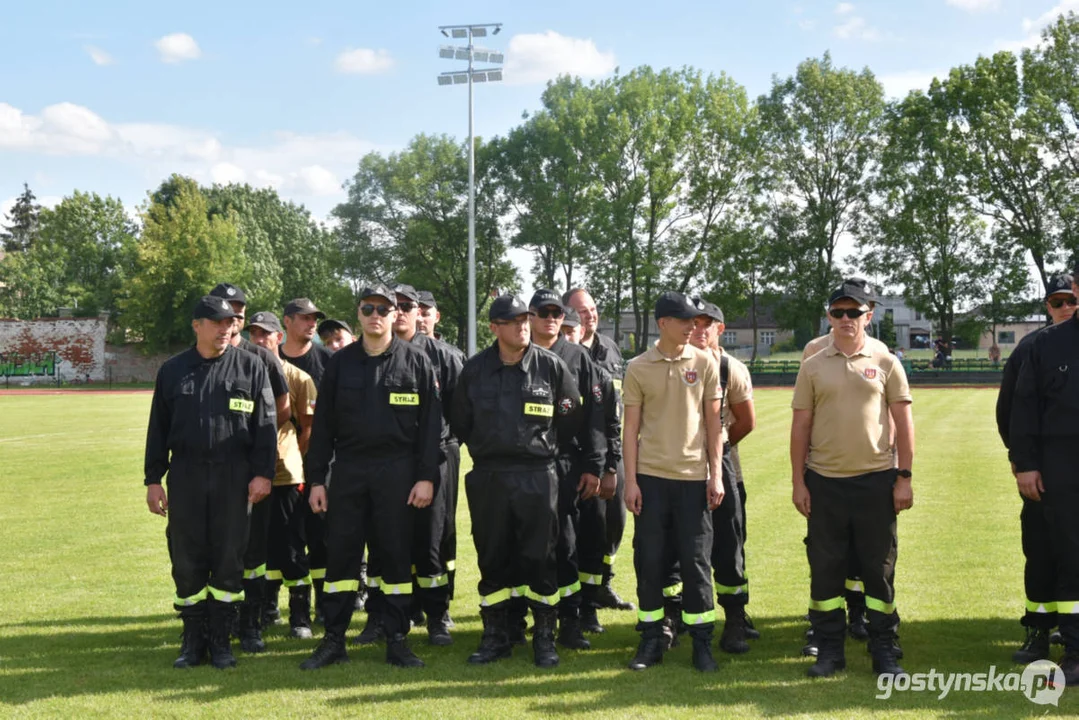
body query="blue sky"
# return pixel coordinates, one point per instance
(113, 96)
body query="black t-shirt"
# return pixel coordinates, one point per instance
(278, 381)
(313, 362)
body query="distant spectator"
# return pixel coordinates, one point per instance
(994, 353)
(900, 354)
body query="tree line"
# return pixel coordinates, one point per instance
(644, 181)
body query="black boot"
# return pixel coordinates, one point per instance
(495, 643)
(270, 614)
(733, 639)
(702, 649)
(193, 646)
(882, 645)
(1035, 647)
(884, 660)
(752, 632)
(251, 616)
(857, 626)
(670, 633)
(590, 620)
(435, 605)
(1070, 665)
(810, 649)
(543, 649)
(320, 616)
(329, 652)
(606, 597)
(517, 620)
(399, 653)
(299, 611)
(221, 617)
(651, 648)
(828, 635)
(373, 631)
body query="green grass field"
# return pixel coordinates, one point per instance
(87, 629)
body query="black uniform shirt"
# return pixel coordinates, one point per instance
(590, 441)
(514, 414)
(1046, 400)
(1008, 379)
(313, 362)
(278, 381)
(217, 410)
(447, 362)
(606, 354)
(371, 408)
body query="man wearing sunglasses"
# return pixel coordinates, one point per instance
(513, 402)
(1039, 575)
(1042, 442)
(845, 481)
(378, 421)
(580, 463)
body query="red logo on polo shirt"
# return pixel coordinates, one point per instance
(691, 377)
(870, 373)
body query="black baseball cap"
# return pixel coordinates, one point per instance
(544, 297)
(427, 298)
(506, 307)
(303, 306)
(211, 307)
(265, 320)
(1059, 284)
(571, 319)
(856, 289)
(229, 292)
(331, 325)
(381, 291)
(709, 309)
(675, 304)
(408, 292)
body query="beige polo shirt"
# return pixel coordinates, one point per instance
(817, 344)
(301, 396)
(671, 394)
(849, 397)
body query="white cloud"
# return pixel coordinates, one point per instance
(363, 61)
(856, 28)
(807, 25)
(974, 5)
(319, 181)
(1032, 28)
(224, 173)
(844, 8)
(897, 85)
(177, 47)
(539, 57)
(99, 56)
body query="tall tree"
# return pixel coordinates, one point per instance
(406, 219)
(183, 252)
(821, 138)
(22, 222)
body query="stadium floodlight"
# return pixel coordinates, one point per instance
(473, 75)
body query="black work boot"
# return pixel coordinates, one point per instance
(543, 649)
(329, 652)
(752, 632)
(670, 633)
(830, 657)
(590, 620)
(270, 614)
(299, 611)
(570, 634)
(517, 621)
(1035, 647)
(810, 649)
(319, 613)
(857, 626)
(251, 616)
(495, 643)
(607, 598)
(882, 643)
(651, 648)
(398, 652)
(193, 646)
(733, 639)
(438, 632)
(884, 660)
(1070, 665)
(221, 617)
(702, 649)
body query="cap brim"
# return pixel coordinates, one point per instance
(262, 326)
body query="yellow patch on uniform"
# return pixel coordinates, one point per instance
(404, 398)
(241, 405)
(540, 409)
(617, 384)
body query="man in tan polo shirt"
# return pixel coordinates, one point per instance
(672, 453)
(844, 477)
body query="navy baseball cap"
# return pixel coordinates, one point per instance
(427, 298)
(303, 306)
(506, 307)
(380, 291)
(1059, 284)
(265, 320)
(571, 318)
(211, 307)
(675, 304)
(229, 292)
(331, 325)
(710, 309)
(856, 289)
(408, 292)
(544, 297)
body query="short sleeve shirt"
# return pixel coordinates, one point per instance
(739, 385)
(671, 394)
(849, 398)
(302, 395)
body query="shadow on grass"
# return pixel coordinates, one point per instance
(134, 654)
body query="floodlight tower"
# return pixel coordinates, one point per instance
(460, 77)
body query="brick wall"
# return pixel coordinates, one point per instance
(42, 351)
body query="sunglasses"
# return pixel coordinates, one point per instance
(1059, 302)
(549, 312)
(368, 310)
(406, 306)
(852, 313)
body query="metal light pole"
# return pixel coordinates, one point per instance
(471, 53)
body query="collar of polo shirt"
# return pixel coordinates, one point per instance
(833, 350)
(654, 355)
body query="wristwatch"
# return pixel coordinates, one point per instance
(903, 473)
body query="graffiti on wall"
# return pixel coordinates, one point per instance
(32, 365)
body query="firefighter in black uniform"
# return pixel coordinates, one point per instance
(1044, 446)
(213, 430)
(256, 591)
(1039, 576)
(512, 404)
(378, 419)
(603, 516)
(580, 463)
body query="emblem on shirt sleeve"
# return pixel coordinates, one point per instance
(690, 377)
